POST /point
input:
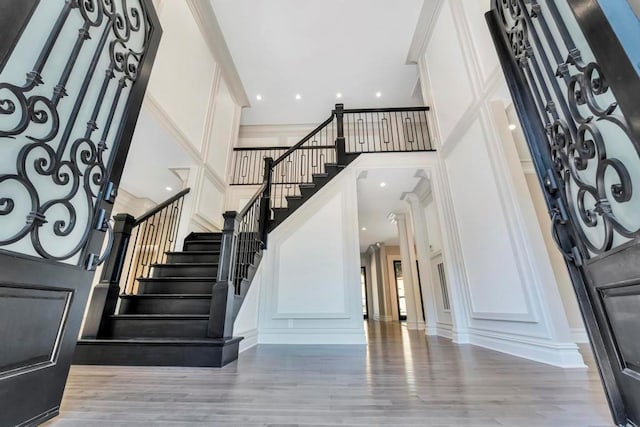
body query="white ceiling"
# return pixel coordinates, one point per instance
(151, 144)
(375, 203)
(317, 48)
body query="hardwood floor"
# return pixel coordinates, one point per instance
(402, 378)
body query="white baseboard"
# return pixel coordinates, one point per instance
(562, 355)
(444, 330)
(419, 325)
(460, 337)
(286, 336)
(579, 336)
(431, 330)
(250, 339)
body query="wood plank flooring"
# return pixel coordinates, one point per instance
(402, 378)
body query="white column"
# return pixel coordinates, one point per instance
(411, 291)
(384, 296)
(423, 254)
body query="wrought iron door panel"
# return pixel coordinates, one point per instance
(594, 154)
(582, 130)
(62, 102)
(72, 80)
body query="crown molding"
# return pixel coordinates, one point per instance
(422, 34)
(208, 24)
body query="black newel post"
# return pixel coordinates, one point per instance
(265, 202)
(222, 298)
(105, 295)
(341, 150)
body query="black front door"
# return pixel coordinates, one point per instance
(577, 94)
(72, 78)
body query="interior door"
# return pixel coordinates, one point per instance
(576, 93)
(72, 78)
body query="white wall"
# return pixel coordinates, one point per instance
(190, 100)
(502, 284)
(311, 272)
(246, 324)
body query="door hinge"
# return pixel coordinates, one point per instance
(576, 256)
(102, 224)
(110, 193)
(550, 182)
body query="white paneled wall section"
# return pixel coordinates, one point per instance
(503, 293)
(194, 93)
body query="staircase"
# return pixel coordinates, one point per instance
(177, 308)
(165, 322)
(306, 191)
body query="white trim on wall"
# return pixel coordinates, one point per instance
(426, 21)
(579, 336)
(165, 120)
(208, 24)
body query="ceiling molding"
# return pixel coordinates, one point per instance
(426, 20)
(165, 120)
(208, 23)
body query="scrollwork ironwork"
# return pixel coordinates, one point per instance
(60, 165)
(587, 134)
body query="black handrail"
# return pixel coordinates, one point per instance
(284, 147)
(303, 140)
(142, 218)
(384, 110)
(255, 197)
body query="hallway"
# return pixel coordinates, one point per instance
(401, 378)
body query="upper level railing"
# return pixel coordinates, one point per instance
(381, 130)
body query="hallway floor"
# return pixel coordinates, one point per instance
(402, 378)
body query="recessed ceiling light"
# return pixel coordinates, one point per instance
(259, 97)
(512, 126)
(364, 228)
(168, 188)
(378, 94)
(383, 184)
(339, 95)
(298, 96)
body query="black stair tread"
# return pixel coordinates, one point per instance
(307, 185)
(161, 316)
(167, 341)
(176, 279)
(167, 296)
(205, 233)
(294, 197)
(185, 264)
(193, 252)
(320, 175)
